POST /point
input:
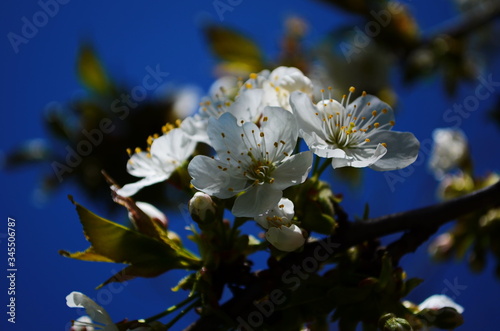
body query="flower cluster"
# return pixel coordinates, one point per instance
(255, 137)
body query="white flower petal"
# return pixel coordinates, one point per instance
(279, 126)
(360, 158)
(364, 107)
(290, 79)
(132, 188)
(225, 135)
(285, 238)
(173, 147)
(305, 112)
(96, 312)
(141, 165)
(196, 128)
(209, 177)
(294, 170)
(270, 97)
(318, 146)
(402, 150)
(439, 301)
(247, 107)
(82, 323)
(256, 200)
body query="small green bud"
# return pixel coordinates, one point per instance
(389, 322)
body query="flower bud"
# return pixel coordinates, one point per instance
(154, 213)
(285, 238)
(454, 186)
(446, 318)
(439, 301)
(441, 247)
(389, 322)
(201, 207)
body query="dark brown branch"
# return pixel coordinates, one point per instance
(470, 21)
(423, 218)
(409, 242)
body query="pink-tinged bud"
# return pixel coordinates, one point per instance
(201, 207)
(441, 246)
(153, 212)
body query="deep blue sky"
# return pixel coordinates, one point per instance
(129, 36)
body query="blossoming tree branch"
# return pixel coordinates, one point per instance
(270, 143)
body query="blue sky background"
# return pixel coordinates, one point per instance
(129, 36)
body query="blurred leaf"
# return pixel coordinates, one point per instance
(31, 151)
(238, 51)
(410, 284)
(91, 72)
(57, 124)
(112, 242)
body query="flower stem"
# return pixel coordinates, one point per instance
(316, 164)
(322, 168)
(171, 309)
(180, 315)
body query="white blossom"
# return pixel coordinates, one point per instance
(281, 233)
(449, 149)
(98, 317)
(246, 107)
(166, 154)
(279, 84)
(255, 160)
(354, 134)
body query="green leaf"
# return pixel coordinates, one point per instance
(91, 72)
(87, 255)
(410, 284)
(239, 52)
(112, 242)
(386, 272)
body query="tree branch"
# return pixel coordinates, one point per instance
(355, 233)
(469, 22)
